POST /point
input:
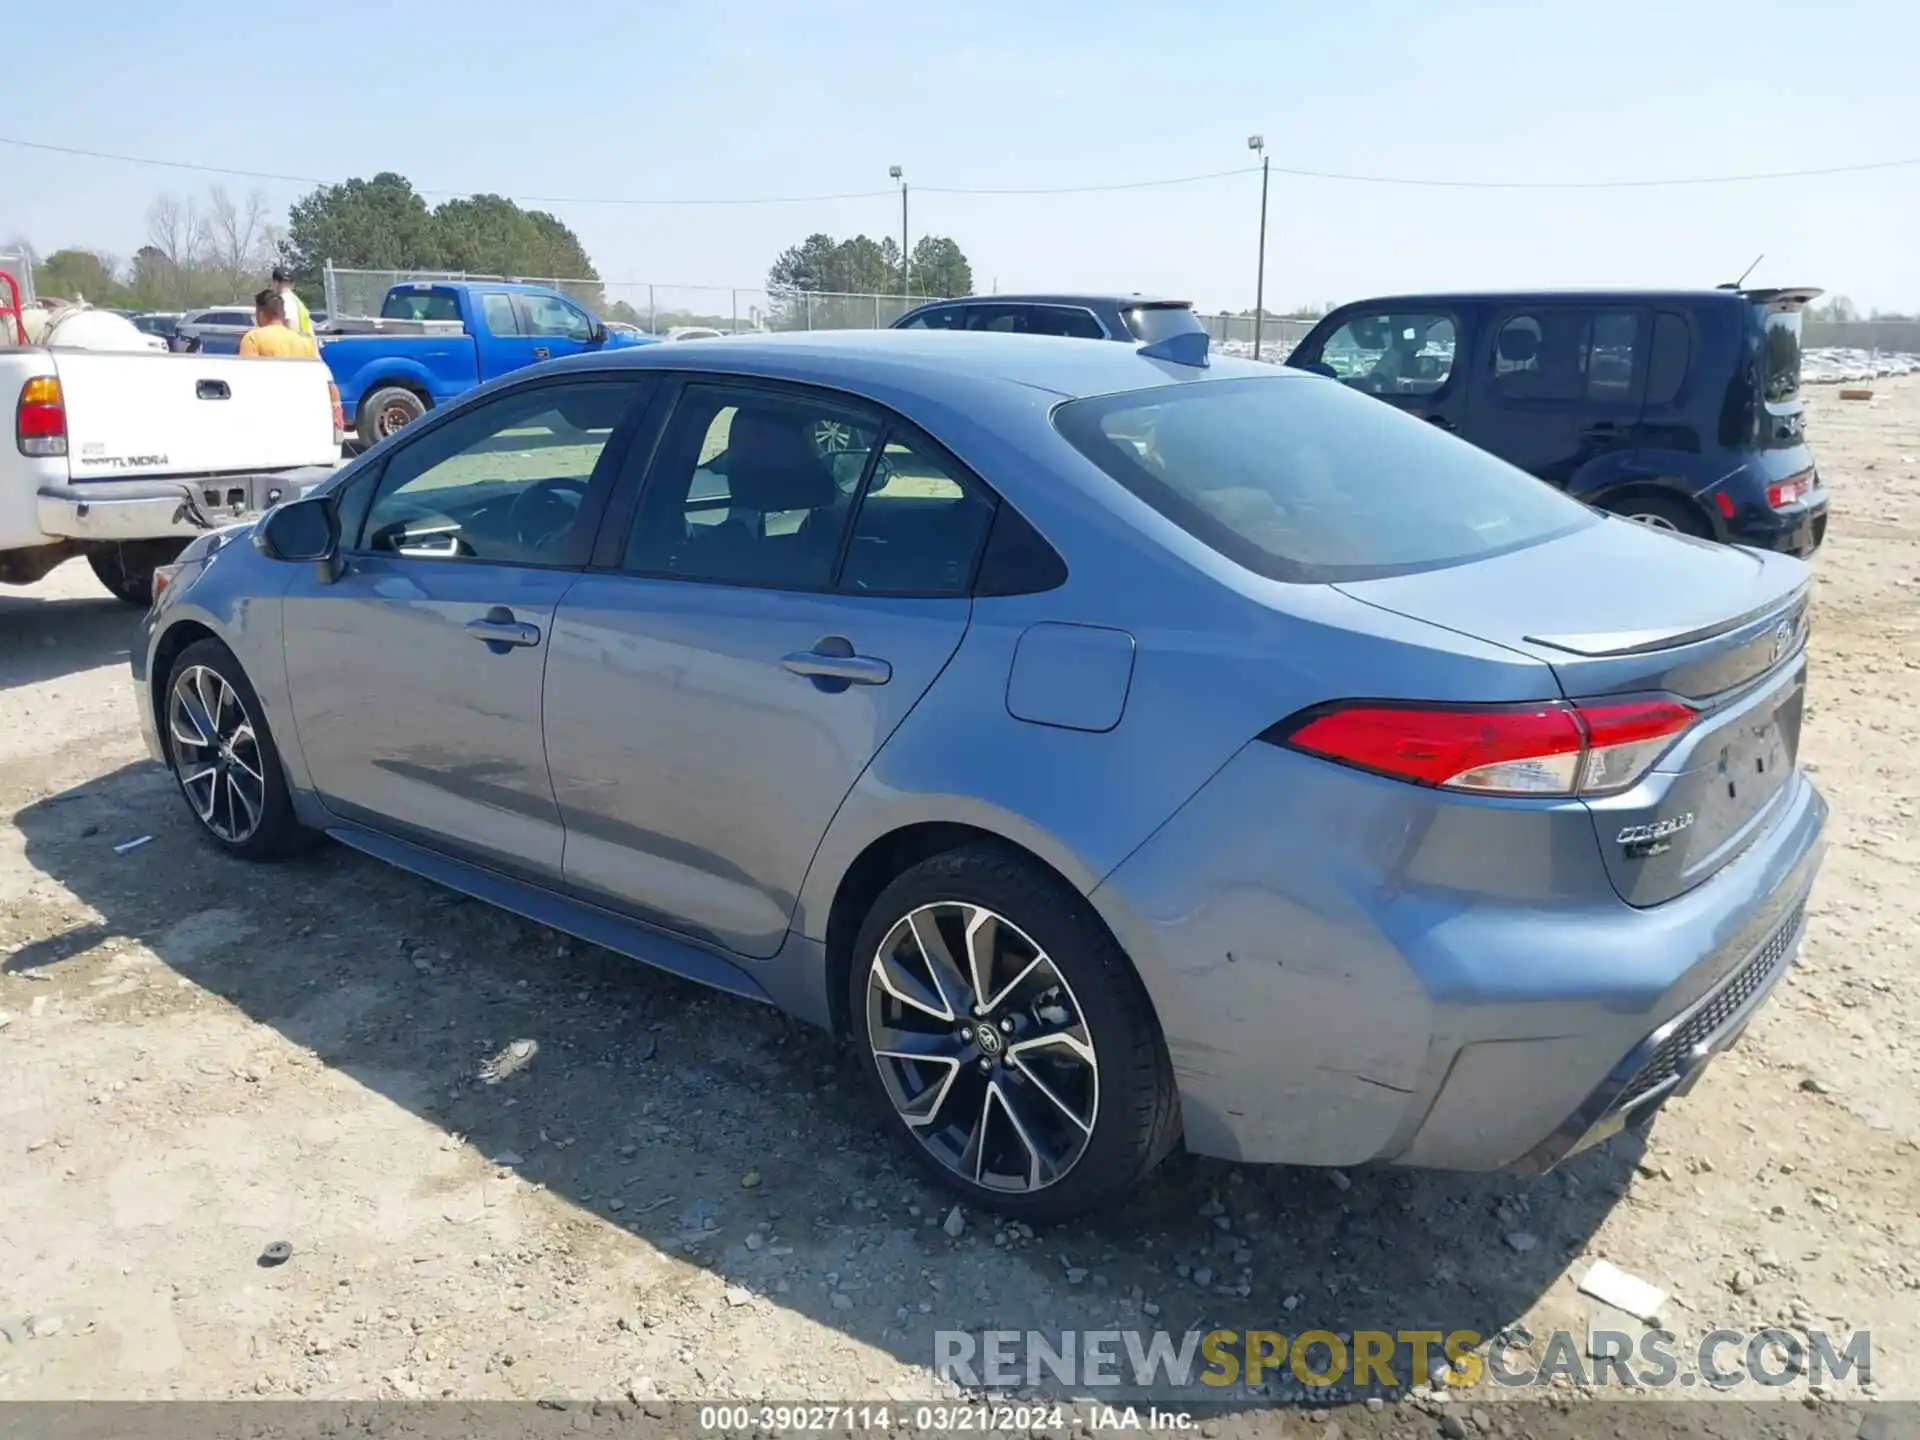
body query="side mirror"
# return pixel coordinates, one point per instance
(302, 532)
(598, 334)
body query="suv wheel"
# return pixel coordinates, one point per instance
(223, 755)
(1657, 512)
(1010, 1036)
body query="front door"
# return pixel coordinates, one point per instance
(552, 326)
(779, 607)
(415, 677)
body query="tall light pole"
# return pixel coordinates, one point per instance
(1259, 143)
(893, 173)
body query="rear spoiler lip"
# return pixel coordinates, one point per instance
(1648, 642)
(1783, 295)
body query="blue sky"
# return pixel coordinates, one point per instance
(724, 98)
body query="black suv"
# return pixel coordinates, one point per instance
(1134, 319)
(1679, 408)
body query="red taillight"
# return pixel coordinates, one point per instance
(40, 418)
(1789, 492)
(1546, 749)
(339, 415)
(1725, 502)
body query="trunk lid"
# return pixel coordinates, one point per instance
(1617, 609)
(151, 415)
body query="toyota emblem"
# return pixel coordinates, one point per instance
(1782, 641)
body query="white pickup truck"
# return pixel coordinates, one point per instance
(124, 456)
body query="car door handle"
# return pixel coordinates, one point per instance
(499, 628)
(850, 669)
(539, 352)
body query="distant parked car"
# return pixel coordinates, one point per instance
(163, 323)
(694, 332)
(1132, 319)
(1680, 409)
(214, 331)
(1106, 745)
(621, 327)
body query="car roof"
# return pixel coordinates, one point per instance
(1543, 297)
(518, 287)
(881, 363)
(1122, 301)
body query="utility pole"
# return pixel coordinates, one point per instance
(1258, 142)
(894, 173)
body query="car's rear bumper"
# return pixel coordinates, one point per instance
(1798, 530)
(121, 510)
(1352, 971)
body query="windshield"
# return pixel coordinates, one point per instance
(1151, 324)
(1780, 344)
(1302, 480)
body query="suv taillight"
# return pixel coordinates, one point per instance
(1789, 492)
(339, 415)
(1551, 748)
(40, 418)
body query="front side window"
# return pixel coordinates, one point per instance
(1312, 483)
(751, 487)
(506, 482)
(551, 316)
(1387, 354)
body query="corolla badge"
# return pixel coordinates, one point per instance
(1654, 838)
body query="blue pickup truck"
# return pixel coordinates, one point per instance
(436, 340)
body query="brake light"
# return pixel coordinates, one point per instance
(1551, 748)
(1788, 492)
(339, 415)
(40, 418)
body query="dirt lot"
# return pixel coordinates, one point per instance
(510, 1165)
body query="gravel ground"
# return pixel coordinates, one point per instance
(510, 1165)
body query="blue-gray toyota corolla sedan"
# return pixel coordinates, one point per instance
(1119, 749)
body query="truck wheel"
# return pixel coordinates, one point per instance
(127, 570)
(385, 411)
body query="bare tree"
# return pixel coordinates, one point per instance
(243, 241)
(180, 233)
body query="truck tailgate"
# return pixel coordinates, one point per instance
(153, 415)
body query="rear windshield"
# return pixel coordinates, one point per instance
(1151, 324)
(1304, 480)
(1780, 346)
(420, 305)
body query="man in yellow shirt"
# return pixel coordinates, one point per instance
(270, 338)
(299, 320)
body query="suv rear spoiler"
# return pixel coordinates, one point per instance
(1789, 295)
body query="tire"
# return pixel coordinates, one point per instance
(386, 410)
(1662, 512)
(243, 776)
(1100, 1128)
(127, 570)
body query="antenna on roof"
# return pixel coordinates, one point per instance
(1182, 349)
(1746, 272)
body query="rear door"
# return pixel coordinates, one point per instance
(140, 413)
(1412, 357)
(1557, 386)
(715, 691)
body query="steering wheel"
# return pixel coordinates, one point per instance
(542, 513)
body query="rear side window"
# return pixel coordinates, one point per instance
(1064, 320)
(497, 310)
(1566, 355)
(947, 319)
(1667, 358)
(1307, 482)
